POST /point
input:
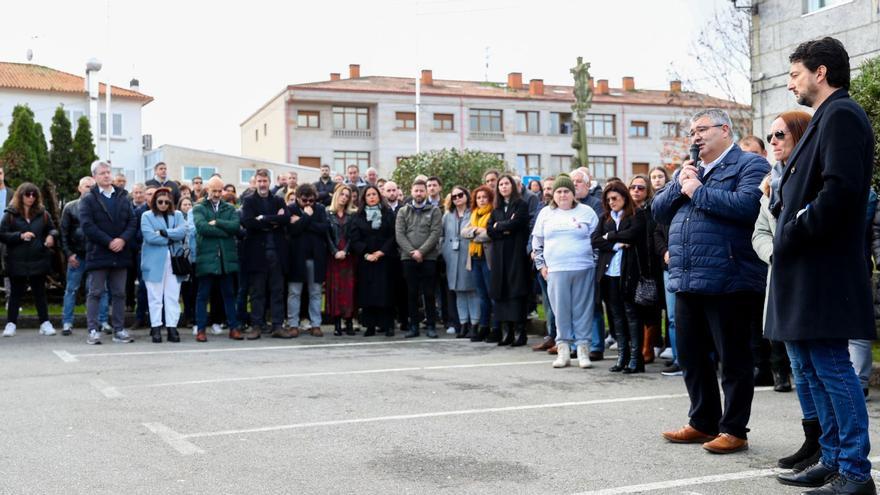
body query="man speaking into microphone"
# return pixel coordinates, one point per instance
(711, 207)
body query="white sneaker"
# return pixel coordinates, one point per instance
(195, 330)
(450, 331)
(216, 329)
(67, 329)
(563, 356)
(584, 357)
(47, 329)
(9, 331)
(666, 354)
(94, 337)
(613, 347)
(609, 341)
(106, 328)
(122, 337)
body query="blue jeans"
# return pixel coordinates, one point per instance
(74, 281)
(670, 312)
(480, 272)
(862, 360)
(548, 309)
(598, 340)
(467, 305)
(573, 293)
(801, 385)
(294, 297)
(204, 294)
(840, 404)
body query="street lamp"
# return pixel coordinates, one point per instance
(93, 65)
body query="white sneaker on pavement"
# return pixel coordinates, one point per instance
(94, 337)
(563, 356)
(216, 329)
(584, 357)
(106, 328)
(195, 330)
(666, 354)
(122, 337)
(613, 347)
(47, 329)
(66, 329)
(9, 331)
(450, 331)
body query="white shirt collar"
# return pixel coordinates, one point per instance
(709, 166)
(107, 192)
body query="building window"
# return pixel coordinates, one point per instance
(600, 125)
(265, 129)
(193, 171)
(405, 120)
(342, 159)
(559, 163)
(640, 168)
(814, 5)
(528, 165)
(310, 161)
(638, 128)
(560, 123)
(603, 167)
(256, 134)
(485, 120)
(351, 118)
(527, 122)
(245, 174)
(310, 119)
(444, 122)
(671, 129)
(116, 123)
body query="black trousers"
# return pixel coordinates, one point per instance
(421, 278)
(767, 355)
(272, 281)
(716, 323)
(18, 287)
(626, 324)
(401, 295)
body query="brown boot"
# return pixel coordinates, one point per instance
(316, 332)
(543, 346)
(254, 334)
(552, 350)
(281, 333)
(235, 334)
(651, 333)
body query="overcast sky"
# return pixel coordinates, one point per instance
(210, 65)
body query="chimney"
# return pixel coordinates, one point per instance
(536, 87)
(427, 77)
(602, 89)
(334, 76)
(675, 86)
(629, 83)
(514, 80)
(135, 85)
(354, 71)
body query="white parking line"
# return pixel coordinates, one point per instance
(174, 439)
(106, 389)
(72, 358)
(334, 373)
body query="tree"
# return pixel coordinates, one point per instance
(454, 167)
(18, 155)
(83, 150)
(61, 155)
(865, 89)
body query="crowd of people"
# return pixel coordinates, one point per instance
(762, 270)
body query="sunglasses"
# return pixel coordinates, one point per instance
(30, 194)
(307, 201)
(637, 187)
(779, 135)
(457, 195)
(163, 202)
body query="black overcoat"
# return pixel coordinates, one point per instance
(511, 274)
(634, 260)
(271, 223)
(375, 285)
(819, 288)
(27, 258)
(309, 233)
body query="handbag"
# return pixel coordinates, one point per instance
(646, 288)
(180, 263)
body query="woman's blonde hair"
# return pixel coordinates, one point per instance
(351, 208)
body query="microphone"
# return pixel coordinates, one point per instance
(695, 153)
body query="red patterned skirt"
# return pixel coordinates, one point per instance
(340, 287)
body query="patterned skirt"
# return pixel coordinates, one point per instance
(340, 287)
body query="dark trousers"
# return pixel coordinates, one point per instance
(241, 302)
(421, 278)
(715, 323)
(624, 318)
(188, 290)
(19, 287)
(225, 284)
(441, 290)
(131, 276)
(766, 355)
(401, 295)
(273, 281)
(141, 310)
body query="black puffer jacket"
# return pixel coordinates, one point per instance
(27, 258)
(73, 240)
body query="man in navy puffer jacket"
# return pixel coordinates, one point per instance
(716, 275)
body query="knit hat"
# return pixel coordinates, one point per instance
(563, 180)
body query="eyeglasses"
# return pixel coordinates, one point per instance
(30, 194)
(307, 201)
(162, 202)
(637, 187)
(702, 129)
(458, 196)
(779, 135)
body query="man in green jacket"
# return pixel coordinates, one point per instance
(217, 224)
(418, 229)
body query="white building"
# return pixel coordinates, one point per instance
(372, 121)
(44, 89)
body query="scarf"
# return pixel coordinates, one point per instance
(374, 216)
(479, 218)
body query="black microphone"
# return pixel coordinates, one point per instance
(695, 153)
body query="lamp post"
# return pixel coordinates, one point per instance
(92, 67)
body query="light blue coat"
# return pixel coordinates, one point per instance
(154, 252)
(191, 236)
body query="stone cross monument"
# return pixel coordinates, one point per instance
(583, 95)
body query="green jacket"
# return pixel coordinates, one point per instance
(419, 229)
(216, 253)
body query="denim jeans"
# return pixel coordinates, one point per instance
(74, 281)
(862, 360)
(840, 404)
(598, 340)
(548, 308)
(801, 385)
(481, 275)
(573, 294)
(294, 297)
(467, 303)
(670, 312)
(226, 289)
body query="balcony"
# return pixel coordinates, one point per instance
(353, 133)
(601, 139)
(486, 135)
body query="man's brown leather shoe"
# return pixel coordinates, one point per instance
(552, 350)
(688, 434)
(281, 333)
(726, 443)
(235, 334)
(254, 334)
(201, 337)
(316, 332)
(543, 346)
(294, 332)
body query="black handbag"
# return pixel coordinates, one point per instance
(180, 263)
(646, 289)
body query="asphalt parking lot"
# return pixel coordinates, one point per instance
(357, 415)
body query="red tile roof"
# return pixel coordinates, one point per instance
(479, 89)
(39, 78)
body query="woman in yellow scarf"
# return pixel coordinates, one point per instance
(478, 254)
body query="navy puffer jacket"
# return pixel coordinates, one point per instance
(710, 235)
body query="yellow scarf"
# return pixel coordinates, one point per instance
(479, 218)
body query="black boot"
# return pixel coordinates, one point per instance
(781, 382)
(494, 336)
(622, 352)
(349, 327)
(371, 330)
(337, 327)
(636, 362)
(413, 331)
(465, 331)
(521, 337)
(508, 335)
(156, 334)
(814, 476)
(173, 336)
(810, 447)
(389, 331)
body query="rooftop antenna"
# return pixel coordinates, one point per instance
(486, 73)
(30, 51)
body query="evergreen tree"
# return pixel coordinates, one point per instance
(61, 156)
(38, 141)
(18, 155)
(83, 150)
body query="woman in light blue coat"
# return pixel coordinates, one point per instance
(163, 231)
(455, 253)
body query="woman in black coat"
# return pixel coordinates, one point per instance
(372, 242)
(29, 234)
(620, 241)
(511, 274)
(642, 192)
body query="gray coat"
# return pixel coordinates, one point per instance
(455, 251)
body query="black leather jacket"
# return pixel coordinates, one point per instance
(73, 241)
